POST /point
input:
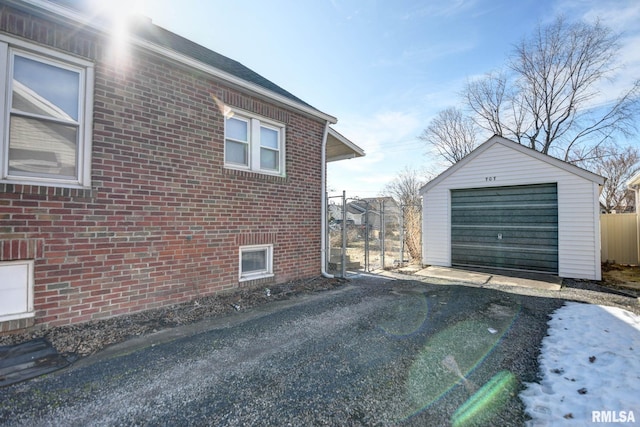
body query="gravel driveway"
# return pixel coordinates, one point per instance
(376, 352)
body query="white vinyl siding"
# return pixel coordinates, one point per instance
(499, 165)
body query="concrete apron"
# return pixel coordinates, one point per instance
(479, 278)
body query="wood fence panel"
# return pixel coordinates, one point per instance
(619, 238)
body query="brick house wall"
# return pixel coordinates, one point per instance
(164, 219)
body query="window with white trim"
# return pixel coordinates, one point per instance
(46, 113)
(256, 262)
(253, 143)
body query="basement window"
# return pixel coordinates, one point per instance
(16, 290)
(256, 262)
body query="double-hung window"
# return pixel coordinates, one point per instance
(45, 119)
(253, 143)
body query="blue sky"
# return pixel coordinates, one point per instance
(383, 68)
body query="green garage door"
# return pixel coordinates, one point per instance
(506, 227)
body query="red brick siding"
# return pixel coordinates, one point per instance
(163, 219)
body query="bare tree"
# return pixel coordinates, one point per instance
(618, 165)
(452, 134)
(547, 100)
(405, 190)
(496, 109)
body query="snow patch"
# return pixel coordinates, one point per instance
(590, 368)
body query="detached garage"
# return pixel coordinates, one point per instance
(507, 206)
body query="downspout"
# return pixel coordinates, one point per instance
(323, 205)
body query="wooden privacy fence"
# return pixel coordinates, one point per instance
(619, 238)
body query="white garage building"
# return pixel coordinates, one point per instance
(507, 206)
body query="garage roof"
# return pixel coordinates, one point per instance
(518, 147)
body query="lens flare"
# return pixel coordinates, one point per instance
(450, 363)
(452, 354)
(488, 401)
(407, 315)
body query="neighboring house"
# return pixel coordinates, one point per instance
(382, 208)
(634, 187)
(356, 212)
(142, 175)
(507, 206)
(632, 256)
(369, 212)
(336, 215)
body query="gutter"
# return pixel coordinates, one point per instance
(323, 207)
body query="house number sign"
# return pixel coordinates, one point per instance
(490, 178)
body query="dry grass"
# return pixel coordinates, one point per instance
(625, 277)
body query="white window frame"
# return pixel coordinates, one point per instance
(254, 123)
(28, 291)
(252, 275)
(10, 47)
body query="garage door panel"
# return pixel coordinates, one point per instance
(522, 200)
(489, 241)
(506, 227)
(533, 265)
(502, 254)
(500, 195)
(499, 233)
(506, 258)
(504, 209)
(480, 217)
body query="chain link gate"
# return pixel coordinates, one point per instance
(364, 234)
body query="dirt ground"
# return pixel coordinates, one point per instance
(622, 277)
(87, 338)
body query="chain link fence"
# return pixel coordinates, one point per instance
(366, 234)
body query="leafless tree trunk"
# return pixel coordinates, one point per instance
(413, 229)
(405, 190)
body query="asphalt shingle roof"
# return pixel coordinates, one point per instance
(157, 35)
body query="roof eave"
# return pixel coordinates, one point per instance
(352, 151)
(634, 182)
(359, 152)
